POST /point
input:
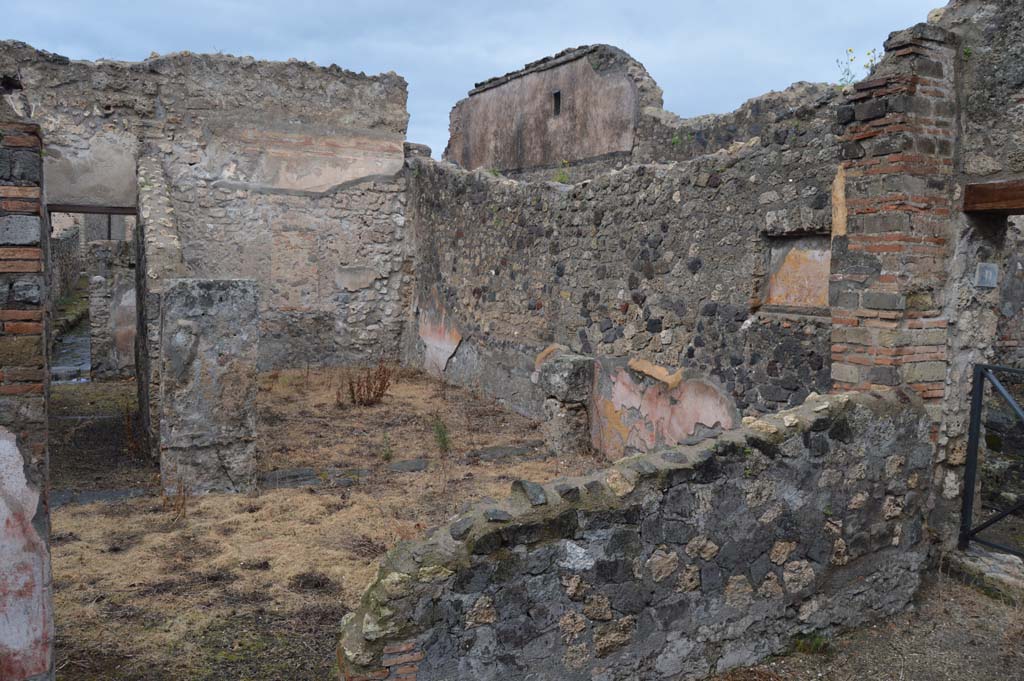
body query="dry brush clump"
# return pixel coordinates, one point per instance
(176, 503)
(368, 387)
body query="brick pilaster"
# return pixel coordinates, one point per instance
(24, 237)
(889, 267)
(26, 639)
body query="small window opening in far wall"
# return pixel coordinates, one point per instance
(557, 98)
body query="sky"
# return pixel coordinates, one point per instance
(708, 56)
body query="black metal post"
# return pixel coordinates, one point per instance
(970, 474)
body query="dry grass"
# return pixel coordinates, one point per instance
(302, 424)
(143, 582)
(253, 587)
(750, 675)
(1013, 639)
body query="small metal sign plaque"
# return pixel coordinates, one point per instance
(987, 275)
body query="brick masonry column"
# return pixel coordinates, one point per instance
(26, 616)
(890, 254)
(905, 311)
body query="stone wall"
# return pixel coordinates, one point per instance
(578, 107)
(993, 149)
(669, 565)
(196, 354)
(113, 318)
(774, 118)
(991, 327)
(1010, 346)
(900, 297)
(158, 261)
(670, 264)
(26, 614)
(610, 115)
(209, 336)
(890, 263)
(65, 263)
(284, 173)
(334, 266)
(100, 227)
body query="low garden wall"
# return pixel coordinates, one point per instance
(669, 565)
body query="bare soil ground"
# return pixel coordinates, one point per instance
(93, 443)
(954, 633)
(1009, 531)
(254, 586)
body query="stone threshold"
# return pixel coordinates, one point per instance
(996, 573)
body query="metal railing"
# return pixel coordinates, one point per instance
(985, 373)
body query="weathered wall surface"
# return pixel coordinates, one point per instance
(891, 265)
(992, 144)
(158, 261)
(512, 123)
(899, 296)
(335, 267)
(65, 262)
(106, 227)
(669, 264)
(98, 174)
(26, 615)
(113, 317)
(773, 118)
(611, 115)
(274, 169)
(991, 328)
(209, 346)
(1010, 346)
(285, 125)
(634, 409)
(666, 566)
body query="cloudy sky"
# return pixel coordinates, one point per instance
(707, 55)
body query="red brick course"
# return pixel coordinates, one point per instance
(399, 663)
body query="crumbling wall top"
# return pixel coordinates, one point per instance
(310, 95)
(602, 57)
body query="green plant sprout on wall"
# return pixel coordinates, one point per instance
(562, 176)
